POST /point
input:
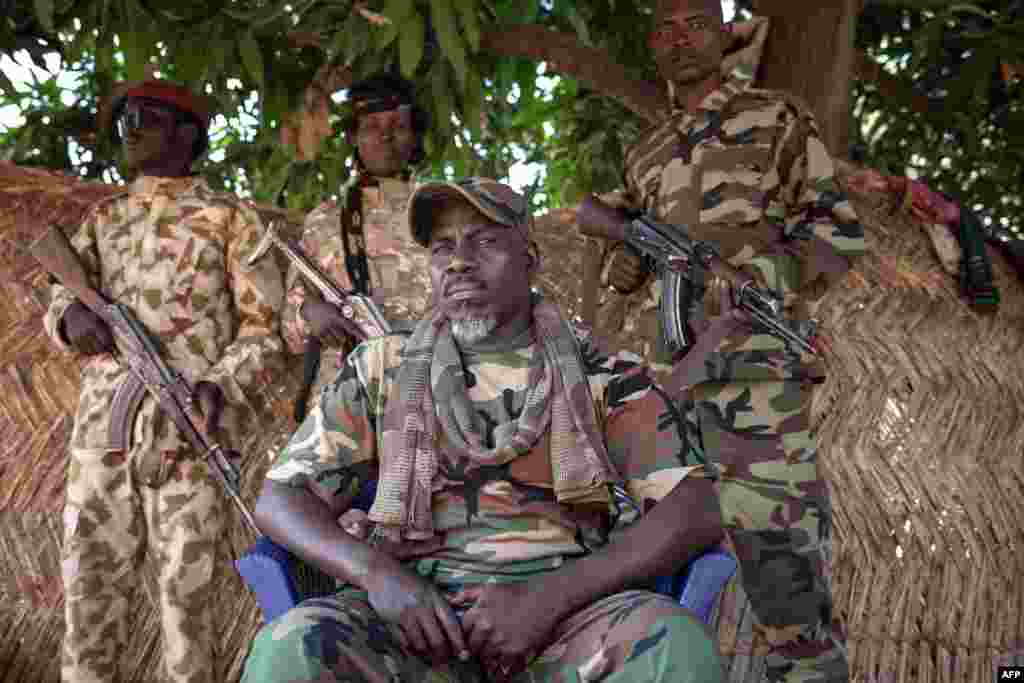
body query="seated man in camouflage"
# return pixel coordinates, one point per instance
(515, 526)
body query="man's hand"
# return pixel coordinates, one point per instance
(507, 625)
(427, 624)
(85, 331)
(725, 319)
(327, 322)
(627, 268)
(210, 398)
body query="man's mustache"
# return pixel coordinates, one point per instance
(683, 55)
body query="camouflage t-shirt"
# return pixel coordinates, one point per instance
(496, 523)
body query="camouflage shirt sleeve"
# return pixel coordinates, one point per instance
(247, 367)
(83, 241)
(336, 445)
(821, 232)
(644, 431)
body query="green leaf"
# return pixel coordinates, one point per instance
(267, 15)
(371, 63)
(396, 11)
(579, 24)
(439, 88)
(449, 37)
(969, 9)
(252, 58)
(6, 86)
(410, 48)
(104, 53)
(472, 103)
(216, 55)
(526, 77)
(353, 39)
(384, 35)
(189, 59)
(470, 22)
(137, 41)
(44, 12)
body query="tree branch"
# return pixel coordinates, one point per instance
(564, 54)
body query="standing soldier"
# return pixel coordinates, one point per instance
(362, 242)
(745, 169)
(175, 253)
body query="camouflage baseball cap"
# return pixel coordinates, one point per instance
(495, 200)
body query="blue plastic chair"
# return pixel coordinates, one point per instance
(281, 581)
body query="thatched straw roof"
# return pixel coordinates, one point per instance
(919, 427)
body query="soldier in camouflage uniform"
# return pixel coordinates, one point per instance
(387, 131)
(745, 169)
(530, 487)
(175, 253)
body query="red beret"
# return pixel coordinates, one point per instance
(169, 93)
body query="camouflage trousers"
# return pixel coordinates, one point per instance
(631, 637)
(111, 519)
(776, 509)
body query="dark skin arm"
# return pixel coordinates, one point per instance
(304, 520)
(509, 623)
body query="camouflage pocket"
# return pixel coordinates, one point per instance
(156, 446)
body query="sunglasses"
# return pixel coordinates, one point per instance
(138, 115)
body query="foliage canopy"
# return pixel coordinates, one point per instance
(946, 103)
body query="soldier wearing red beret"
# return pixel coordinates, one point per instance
(175, 253)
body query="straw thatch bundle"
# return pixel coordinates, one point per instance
(919, 428)
(923, 444)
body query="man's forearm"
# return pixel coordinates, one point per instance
(684, 523)
(297, 519)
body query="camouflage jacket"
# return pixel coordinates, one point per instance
(399, 272)
(748, 172)
(496, 522)
(175, 253)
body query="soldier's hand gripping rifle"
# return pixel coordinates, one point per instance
(364, 320)
(677, 257)
(140, 353)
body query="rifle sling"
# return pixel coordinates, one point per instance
(353, 237)
(310, 368)
(123, 410)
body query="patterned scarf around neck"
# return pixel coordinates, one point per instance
(430, 391)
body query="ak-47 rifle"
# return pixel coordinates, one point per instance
(677, 257)
(364, 318)
(139, 351)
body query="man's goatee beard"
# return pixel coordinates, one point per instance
(473, 330)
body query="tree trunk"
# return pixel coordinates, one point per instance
(810, 53)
